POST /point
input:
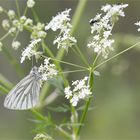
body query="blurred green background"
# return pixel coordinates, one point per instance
(116, 113)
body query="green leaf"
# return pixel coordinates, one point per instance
(59, 109)
(83, 107)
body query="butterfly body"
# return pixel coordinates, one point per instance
(25, 94)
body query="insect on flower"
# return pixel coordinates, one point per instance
(92, 21)
(25, 94)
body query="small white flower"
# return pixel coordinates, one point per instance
(12, 30)
(28, 22)
(30, 50)
(15, 22)
(23, 19)
(16, 45)
(30, 3)
(6, 24)
(1, 9)
(47, 70)
(138, 24)
(68, 92)
(106, 34)
(80, 91)
(74, 100)
(106, 8)
(11, 14)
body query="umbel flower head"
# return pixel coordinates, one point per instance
(101, 28)
(30, 50)
(47, 70)
(62, 22)
(80, 91)
(38, 31)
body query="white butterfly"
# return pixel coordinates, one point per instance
(25, 94)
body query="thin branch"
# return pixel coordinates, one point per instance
(116, 55)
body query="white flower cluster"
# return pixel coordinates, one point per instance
(14, 25)
(101, 27)
(80, 91)
(22, 22)
(62, 22)
(47, 70)
(30, 3)
(43, 137)
(138, 24)
(30, 50)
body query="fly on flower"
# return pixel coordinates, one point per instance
(92, 21)
(25, 94)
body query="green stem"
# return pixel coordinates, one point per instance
(74, 120)
(3, 37)
(36, 17)
(39, 115)
(72, 71)
(87, 103)
(25, 11)
(63, 132)
(47, 50)
(118, 54)
(3, 89)
(17, 6)
(76, 18)
(65, 62)
(82, 56)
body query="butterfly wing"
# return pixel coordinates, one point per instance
(24, 95)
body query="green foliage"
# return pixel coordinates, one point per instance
(44, 124)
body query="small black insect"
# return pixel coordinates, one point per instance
(92, 21)
(119, 3)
